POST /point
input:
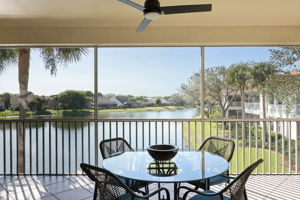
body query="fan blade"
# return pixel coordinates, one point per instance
(186, 9)
(132, 4)
(143, 25)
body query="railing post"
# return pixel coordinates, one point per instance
(96, 103)
(202, 90)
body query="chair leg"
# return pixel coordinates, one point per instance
(207, 186)
(95, 193)
(245, 195)
(147, 189)
(185, 195)
(160, 197)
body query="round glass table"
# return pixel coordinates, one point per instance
(186, 166)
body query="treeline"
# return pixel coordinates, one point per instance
(274, 78)
(76, 100)
(70, 99)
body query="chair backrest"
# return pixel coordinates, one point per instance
(220, 146)
(108, 186)
(236, 188)
(113, 147)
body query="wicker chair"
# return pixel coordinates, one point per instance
(235, 190)
(110, 187)
(114, 147)
(219, 146)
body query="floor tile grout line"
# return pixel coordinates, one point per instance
(53, 194)
(74, 180)
(6, 191)
(36, 182)
(55, 197)
(69, 190)
(51, 183)
(82, 186)
(87, 190)
(29, 190)
(44, 186)
(284, 182)
(61, 191)
(267, 195)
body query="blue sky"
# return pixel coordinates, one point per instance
(137, 71)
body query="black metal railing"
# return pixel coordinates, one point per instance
(57, 147)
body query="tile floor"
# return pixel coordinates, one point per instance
(273, 187)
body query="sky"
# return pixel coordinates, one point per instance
(147, 71)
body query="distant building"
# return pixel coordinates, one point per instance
(163, 101)
(251, 99)
(104, 102)
(148, 104)
(254, 102)
(132, 105)
(122, 98)
(116, 101)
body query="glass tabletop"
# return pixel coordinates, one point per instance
(185, 166)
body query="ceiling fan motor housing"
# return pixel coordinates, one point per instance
(152, 6)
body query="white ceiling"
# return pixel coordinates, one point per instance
(114, 13)
(37, 14)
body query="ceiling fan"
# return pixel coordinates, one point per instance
(153, 11)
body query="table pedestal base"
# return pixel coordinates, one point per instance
(175, 197)
(176, 193)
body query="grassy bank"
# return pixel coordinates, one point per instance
(161, 108)
(10, 113)
(237, 160)
(192, 135)
(7, 113)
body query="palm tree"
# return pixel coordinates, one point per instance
(52, 57)
(261, 72)
(239, 76)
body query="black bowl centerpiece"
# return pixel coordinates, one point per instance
(162, 152)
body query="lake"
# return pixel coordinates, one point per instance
(165, 114)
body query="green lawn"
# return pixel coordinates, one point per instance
(253, 152)
(192, 131)
(11, 113)
(192, 134)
